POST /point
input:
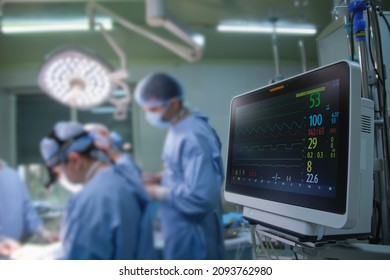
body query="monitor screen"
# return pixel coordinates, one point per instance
(294, 147)
(286, 143)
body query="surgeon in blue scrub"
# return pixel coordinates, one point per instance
(18, 218)
(192, 175)
(106, 219)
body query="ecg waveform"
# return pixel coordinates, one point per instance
(271, 128)
(269, 140)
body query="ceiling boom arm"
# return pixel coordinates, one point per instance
(185, 52)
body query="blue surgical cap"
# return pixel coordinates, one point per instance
(158, 88)
(101, 136)
(116, 139)
(66, 137)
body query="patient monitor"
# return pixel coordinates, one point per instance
(300, 155)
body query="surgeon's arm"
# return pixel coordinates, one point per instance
(32, 223)
(151, 178)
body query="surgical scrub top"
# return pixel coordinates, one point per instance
(127, 159)
(17, 214)
(108, 218)
(193, 175)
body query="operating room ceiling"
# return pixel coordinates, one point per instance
(201, 15)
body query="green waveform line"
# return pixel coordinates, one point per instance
(268, 127)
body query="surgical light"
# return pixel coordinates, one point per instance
(76, 78)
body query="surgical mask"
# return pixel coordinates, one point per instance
(155, 119)
(67, 184)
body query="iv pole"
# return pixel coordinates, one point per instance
(381, 179)
(302, 49)
(275, 51)
(383, 140)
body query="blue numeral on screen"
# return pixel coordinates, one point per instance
(315, 120)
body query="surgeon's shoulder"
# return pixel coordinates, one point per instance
(12, 176)
(193, 124)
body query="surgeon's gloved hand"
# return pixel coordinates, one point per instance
(233, 220)
(151, 178)
(157, 192)
(8, 246)
(46, 235)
